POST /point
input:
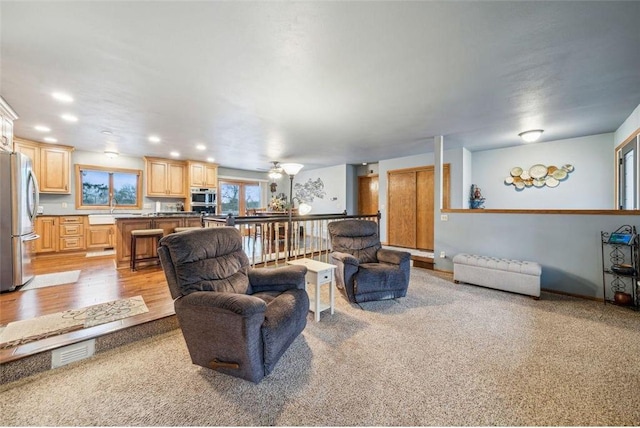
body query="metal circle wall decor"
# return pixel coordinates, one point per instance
(538, 175)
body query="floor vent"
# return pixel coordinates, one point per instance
(71, 353)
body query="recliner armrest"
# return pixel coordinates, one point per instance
(345, 258)
(278, 279)
(240, 304)
(395, 257)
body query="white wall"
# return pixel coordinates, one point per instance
(628, 127)
(566, 246)
(589, 186)
(335, 179)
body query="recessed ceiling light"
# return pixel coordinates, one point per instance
(42, 128)
(105, 132)
(69, 117)
(531, 136)
(210, 159)
(154, 139)
(201, 147)
(62, 97)
(50, 140)
(174, 154)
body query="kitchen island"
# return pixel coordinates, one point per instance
(146, 248)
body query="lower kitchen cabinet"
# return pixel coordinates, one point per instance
(71, 233)
(47, 229)
(100, 236)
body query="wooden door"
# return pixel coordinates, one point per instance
(368, 194)
(211, 176)
(55, 165)
(176, 181)
(424, 209)
(157, 175)
(411, 206)
(48, 232)
(100, 236)
(402, 208)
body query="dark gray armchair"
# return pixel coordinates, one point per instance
(366, 271)
(235, 319)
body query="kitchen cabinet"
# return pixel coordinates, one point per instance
(203, 175)
(51, 163)
(46, 228)
(7, 116)
(71, 233)
(100, 236)
(165, 178)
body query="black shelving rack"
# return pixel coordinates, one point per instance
(621, 266)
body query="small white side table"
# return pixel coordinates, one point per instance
(318, 273)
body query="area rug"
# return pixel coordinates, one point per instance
(24, 331)
(101, 253)
(51, 279)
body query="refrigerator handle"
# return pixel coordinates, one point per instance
(36, 189)
(31, 237)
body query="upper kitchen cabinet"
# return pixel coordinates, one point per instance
(165, 178)
(203, 174)
(52, 164)
(7, 116)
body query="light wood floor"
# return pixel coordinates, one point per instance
(99, 282)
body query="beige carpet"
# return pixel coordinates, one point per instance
(447, 354)
(29, 330)
(51, 279)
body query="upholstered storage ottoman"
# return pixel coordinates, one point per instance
(502, 274)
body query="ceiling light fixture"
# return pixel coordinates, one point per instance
(69, 117)
(62, 97)
(154, 139)
(210, 159)
(531, 136)
(174, 154)
(50, 140)
(111, 154)
(201, 147)
(105, 132)
(42, 128)
(275, 172)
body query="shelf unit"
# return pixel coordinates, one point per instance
(619, 287)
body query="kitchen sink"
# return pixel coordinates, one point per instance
(101, 219)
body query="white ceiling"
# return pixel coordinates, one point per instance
(320, 83)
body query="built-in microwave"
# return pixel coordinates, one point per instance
(203, 200)
(203, 196)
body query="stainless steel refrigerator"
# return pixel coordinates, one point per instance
(18, 206)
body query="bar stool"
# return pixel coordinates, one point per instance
(143, 233)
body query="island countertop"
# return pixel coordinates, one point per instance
(147, 247)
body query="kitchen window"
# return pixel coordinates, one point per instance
(104, 188)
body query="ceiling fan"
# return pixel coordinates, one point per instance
(275, 172)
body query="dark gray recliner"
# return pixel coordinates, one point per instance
(235, 319)
(366, 271)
